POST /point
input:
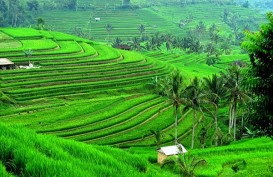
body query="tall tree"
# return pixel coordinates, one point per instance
(135, 43)
(200, 29)
(40, 24)
(194, 98)
(236, 94)
(141, 29)
(109, 29)
(33, 5)
(174, 95)
(13, 12)
(214, 86)
(3, 13)
(259, 46)
(126, 2)
(172, 87)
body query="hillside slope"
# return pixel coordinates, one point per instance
(163, 19)
(83, 90)
(23, 153)
(249, 157)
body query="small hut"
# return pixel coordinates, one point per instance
(97, 19)
(6, 64)
(124, 47)
(165, 152)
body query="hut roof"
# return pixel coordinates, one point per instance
(172, 150)
(5, 61)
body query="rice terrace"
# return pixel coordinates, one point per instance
(130, 88)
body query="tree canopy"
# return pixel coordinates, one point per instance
(259, 46)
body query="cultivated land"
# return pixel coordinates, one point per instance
(89, 92)
(155, 19)
(101, 92)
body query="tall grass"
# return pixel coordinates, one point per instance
(23, 153)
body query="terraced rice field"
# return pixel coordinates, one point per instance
(195, 64)
(125, 22)
(84, 90)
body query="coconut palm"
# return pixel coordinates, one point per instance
(109, 29)
(174, 93)
(141, 29)
(28, 53)
(194, 97)
(171, 86)
(158, 137)
(214, 86)
(135, 43)
(235, 95)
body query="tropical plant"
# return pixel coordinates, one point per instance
(141, 29)
(135, 43)
(109, 29)
(174, 93)
(260, 79)
(236, 94)
(40, 24)
(117, 42)
(185, 164)
(158, 137)
(28, 53)
(214, 86)
(171, 86)
(194, 97)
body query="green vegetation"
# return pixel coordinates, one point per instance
(261, 80)
(187, 81)
(23, 153)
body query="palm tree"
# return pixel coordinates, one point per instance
(141, 29)
(135, 43)
(28, 53)
(235, 95)
(194, 98)
(158, 136)
(171, 87)
(214, 86)
(174, 93)
(40, 24)
(108, 28)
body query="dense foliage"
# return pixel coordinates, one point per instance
(259, 45)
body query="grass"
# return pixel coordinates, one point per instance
(256, 153)
(88, 91)
(126, 22)
(27, 154)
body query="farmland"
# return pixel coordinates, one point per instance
(88, 109)
(160, 19)
(114, 83)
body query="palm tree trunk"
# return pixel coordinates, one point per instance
(242, 125)
(234, 117)
(230, 119)
(193, 128)
(175, 125)
(216, 125)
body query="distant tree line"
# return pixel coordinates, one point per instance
(200, 39)
(13, 13)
